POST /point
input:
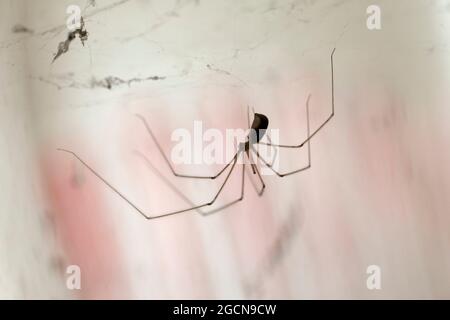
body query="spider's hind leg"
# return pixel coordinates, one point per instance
(256, 171)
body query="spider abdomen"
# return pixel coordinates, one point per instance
(258, 128)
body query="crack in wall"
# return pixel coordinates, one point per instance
(108, 82)
(275, 255)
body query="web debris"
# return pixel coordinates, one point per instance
(108, 82)
(63, 46)
(19, 28)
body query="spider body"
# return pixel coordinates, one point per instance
(258, 130)
(259, 127)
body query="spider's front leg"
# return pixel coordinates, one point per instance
(166, 159)
(256, 171)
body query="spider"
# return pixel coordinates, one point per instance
(258, 129)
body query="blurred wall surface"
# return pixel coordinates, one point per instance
(376, 193)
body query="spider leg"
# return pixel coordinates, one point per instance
(251, 163)
(279, 173)
(255, 172)
(323, 124)
(165, 179)
(250, 177)
(180, 193)
(309, 152)
(168, 162)
(232, 202)
(260, 192)
(276, 150)
(248, 115)
(251, 132)
(140, 210)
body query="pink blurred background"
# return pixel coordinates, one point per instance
(376, 193)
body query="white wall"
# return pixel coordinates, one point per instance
(376, 192)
